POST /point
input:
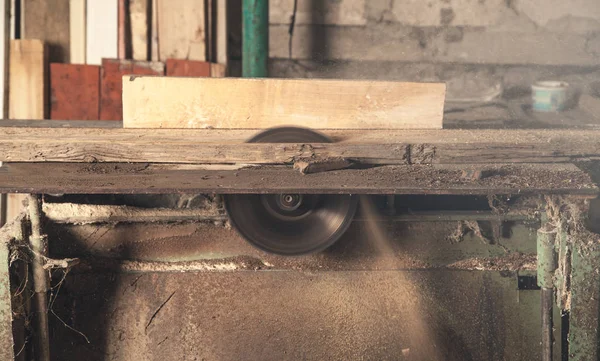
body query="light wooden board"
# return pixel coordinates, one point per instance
(102, 30)
(167, 102)
(138, 13)
(48, 20)
(77, 30)
(154, 32)
(181, 29)
(221, 32)
(27, 90)
(4, 55)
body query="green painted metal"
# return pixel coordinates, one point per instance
(255, 43)
(585, 303)
(546, 253)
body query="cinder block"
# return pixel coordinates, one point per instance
(339, 12)
(111, 89)
(542, 12)
(74, 92)
(456, 12)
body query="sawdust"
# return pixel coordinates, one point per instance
(238, 263)
(422, 338)
(513, 262)
(75, 213)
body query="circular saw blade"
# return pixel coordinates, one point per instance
(271, 223)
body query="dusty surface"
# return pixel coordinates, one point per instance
(296, 315)
(211, 246)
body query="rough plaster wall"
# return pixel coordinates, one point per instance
(482, 32)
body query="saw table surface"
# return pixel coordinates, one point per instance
(62, 157)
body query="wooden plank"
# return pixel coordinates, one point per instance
(164, 102)
(27, 89)
(180, 67)
(102, 30)
(218, 70)
(148, 178)
(122, 19)
(181, 29)
(111, 88)
(74, 92)
(77, 31)
(48, 20)
(138, 14)
(4, 55)
(226, 146)
(154, 43)
(221, 33)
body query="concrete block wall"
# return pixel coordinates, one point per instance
(545, 32)
(432, 40)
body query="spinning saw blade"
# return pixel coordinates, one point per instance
(291, 224)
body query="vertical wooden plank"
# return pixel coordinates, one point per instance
(122, 30)
(180, 67)
(111, 106)
(77, 30)
(102, 28)
(48, 21)
(4, 36)
(221, 32)
(138, 12)
(111, 84)
(27, 89)
(74, 92)
(5, 22)
(13, 21)
(218, 70)
(181, 29)
(154, 42)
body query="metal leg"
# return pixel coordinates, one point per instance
(40, 278)
(547, 324)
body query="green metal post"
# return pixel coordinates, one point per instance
(255, 43)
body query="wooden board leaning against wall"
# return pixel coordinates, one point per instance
(164, 102)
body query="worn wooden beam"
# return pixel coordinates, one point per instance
(227, 146)
(408, 179)
(164, 102)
